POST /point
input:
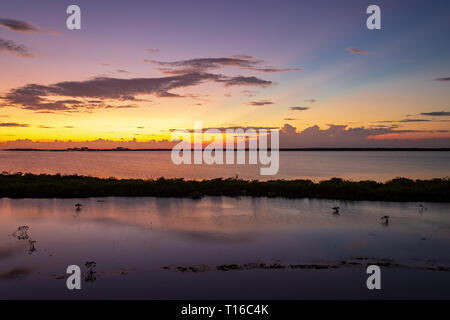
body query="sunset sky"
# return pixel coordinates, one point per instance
(138, 69)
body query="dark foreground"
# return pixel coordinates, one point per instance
(20, 185)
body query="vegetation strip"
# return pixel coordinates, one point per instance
(20, 185)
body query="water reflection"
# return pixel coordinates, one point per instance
(136, 238)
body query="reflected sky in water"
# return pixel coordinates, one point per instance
(131, 239)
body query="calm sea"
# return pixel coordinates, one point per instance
(315, 165)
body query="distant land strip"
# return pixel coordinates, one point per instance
(20, 185)
(281, 149)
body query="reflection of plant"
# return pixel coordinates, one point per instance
(21, 233)
(31, 247)
(90, 273)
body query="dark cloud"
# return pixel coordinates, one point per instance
(290, 119)
(414, 120)
(13, 124)
(358, 51)
(36, 97)
(298, 108)
(245, 81)
(411, 120)
(204, 64)
(404, 120)
(436, 113)
(442, 79)
(260, 103)
(12, 47)
(122, 71)
(271, 70)
(17, 25)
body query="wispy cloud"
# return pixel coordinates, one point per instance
(13, 124)
(248, 93)
(17, 49)
(403, 120)
(260, 103)
(17, 25)
(41, 97)
(152, 50)
(358, 51)
(223, 129)
(436, 113)
(442, 79)
(203, 64)
(298, 108)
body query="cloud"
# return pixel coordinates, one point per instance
(248, 93)
(13, 124)
(17, 25)
(122, 71)
(271, 70)
(334, 136)
(310, 100)
(39, 97)
(436, 113)
(12, 47)
(204, 64)
(260, 103)
(413, 120)
(223, 129)
(404, 120)
(298, 108)
(343, 136)
(152, 50)
(358, 51)
(290, 119)
(442, 79)
(245, 81)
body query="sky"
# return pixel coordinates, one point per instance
(138, 69)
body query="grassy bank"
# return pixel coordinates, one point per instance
(73, 186)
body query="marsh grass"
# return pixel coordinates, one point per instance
(27, 185)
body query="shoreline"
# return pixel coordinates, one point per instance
(280, 149)
(19, 185)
